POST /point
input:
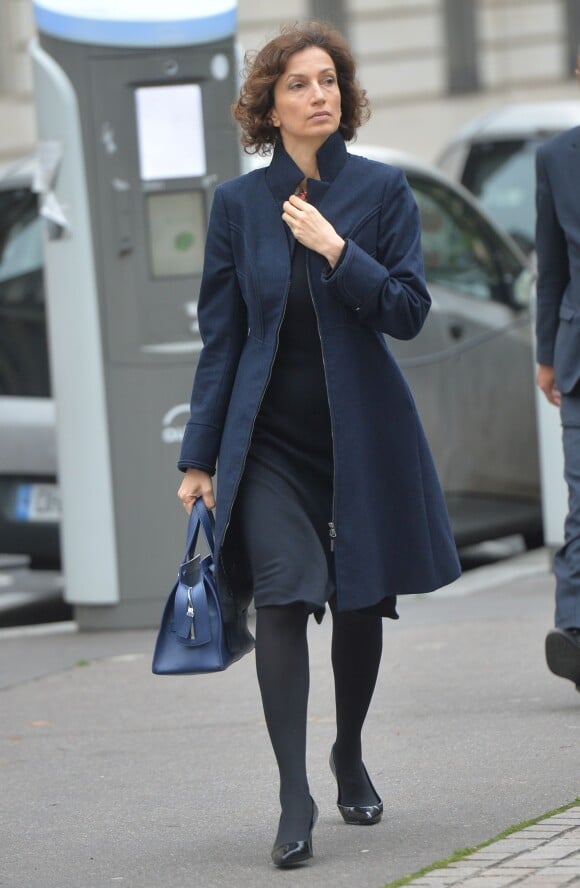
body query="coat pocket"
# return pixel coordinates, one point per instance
(365, 233)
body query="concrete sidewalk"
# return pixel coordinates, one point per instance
(113, 775)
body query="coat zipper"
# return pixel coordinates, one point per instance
(331, 525)
(249, 444)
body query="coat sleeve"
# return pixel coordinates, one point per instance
(222, 324)
(553, 268)
(388, 292)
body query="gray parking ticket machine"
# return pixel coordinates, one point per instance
(135, 131)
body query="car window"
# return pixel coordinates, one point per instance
(20, 239)
(502, 176)
(23, 338)
(460, 249)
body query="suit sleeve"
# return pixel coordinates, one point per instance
(553, 270)
(388, 292)
(222, 324)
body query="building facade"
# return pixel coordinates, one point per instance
(428, 65)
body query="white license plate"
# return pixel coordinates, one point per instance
(37, 502)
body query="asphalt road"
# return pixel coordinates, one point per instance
(110, 774)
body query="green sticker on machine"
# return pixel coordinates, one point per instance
(184, 241)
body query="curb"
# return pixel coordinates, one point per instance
(544, 850)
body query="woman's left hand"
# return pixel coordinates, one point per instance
(311, 229)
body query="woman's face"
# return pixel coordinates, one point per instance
(307, 99)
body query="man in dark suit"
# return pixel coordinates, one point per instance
(558, 356)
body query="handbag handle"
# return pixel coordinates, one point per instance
(207, 522)
(200, 516)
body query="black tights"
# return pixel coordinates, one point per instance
(283, 676)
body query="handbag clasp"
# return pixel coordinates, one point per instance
(190, 613)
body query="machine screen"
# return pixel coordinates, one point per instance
(176, 233)
(170, 131)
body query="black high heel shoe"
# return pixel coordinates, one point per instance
(295, 853)
(357, 815)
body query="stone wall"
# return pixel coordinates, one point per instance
(401, 47)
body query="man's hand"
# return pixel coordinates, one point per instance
(546, 383)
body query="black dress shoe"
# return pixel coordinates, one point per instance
(563, 653)
(357, 815)
(294, 853)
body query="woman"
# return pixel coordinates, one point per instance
(327, 492)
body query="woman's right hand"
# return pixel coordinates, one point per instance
(196, 483)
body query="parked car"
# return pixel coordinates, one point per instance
(29, 505)
(471, 370)
(494, 157)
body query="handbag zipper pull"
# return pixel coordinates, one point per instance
(191, 613)
(332, 534)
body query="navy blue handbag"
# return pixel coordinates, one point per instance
(193, 637)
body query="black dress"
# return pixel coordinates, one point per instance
(283, 511)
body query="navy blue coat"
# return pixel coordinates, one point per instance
(558, 248)
(393, 534)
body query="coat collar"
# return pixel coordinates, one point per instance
(571, 156)
(283, 175)
(575, 137)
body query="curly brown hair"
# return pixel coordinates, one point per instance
(263, 68)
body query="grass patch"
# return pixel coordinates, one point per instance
(465, 852)
(83, 663)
